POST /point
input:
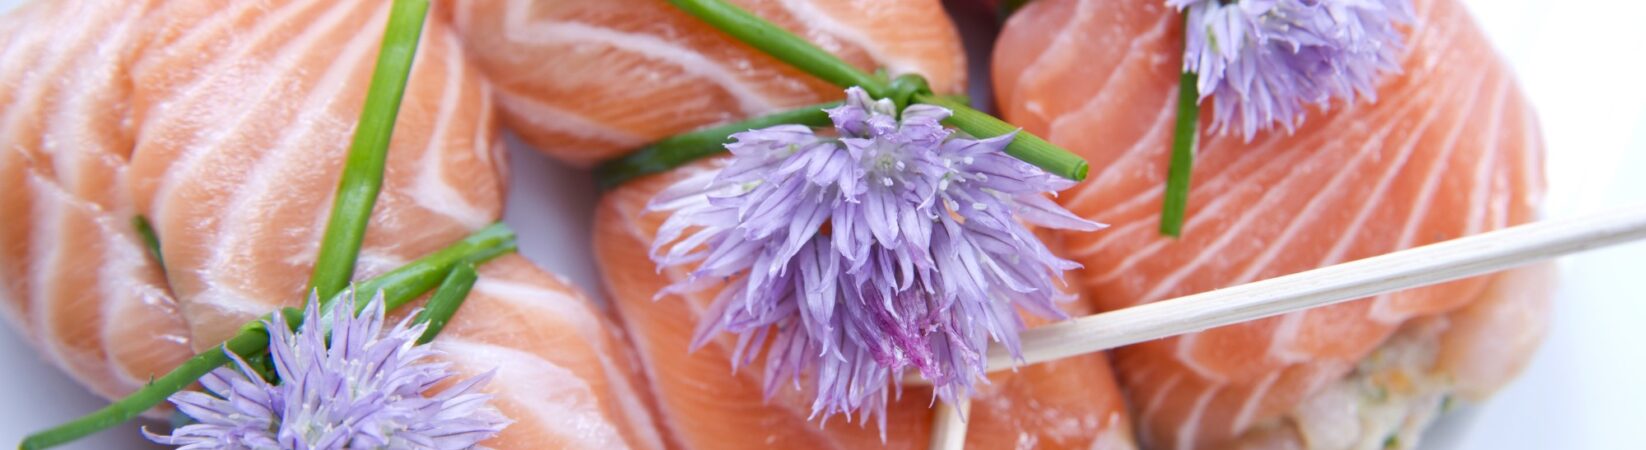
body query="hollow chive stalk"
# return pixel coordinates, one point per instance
(406, 283)
(362, 177)
(1025, 146)
(399, 287)
(681, 149)
(780, 43)
(797, 52)
(1185, 138)
(677, 150)
(445, 301)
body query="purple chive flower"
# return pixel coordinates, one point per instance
(1266, 60)
(365, 390)
(854, 255)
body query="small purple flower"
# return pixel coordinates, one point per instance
(365, 390)
(1266, 60)
(854, 255)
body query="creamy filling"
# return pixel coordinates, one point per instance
(1385, 403)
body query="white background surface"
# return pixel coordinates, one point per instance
(1581, 61)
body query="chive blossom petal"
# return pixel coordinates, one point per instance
(883, 245)
(1264, 61)
(363, 388)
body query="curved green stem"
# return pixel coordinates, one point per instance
(781, 44)
(399, 287)
(363, 173)
(409, 281)
(1025, 146)
(680, 149)
(797, 52)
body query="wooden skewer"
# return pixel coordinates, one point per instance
(949, 425)
(1406, 269)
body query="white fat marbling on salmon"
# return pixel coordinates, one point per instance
(518, 26)
(75, 271)
(258, 82)
(431, 190)
(553, 303)
(565, 406)
(567, 308)
(235, 111)
(823, 19)
(272, 167)
(1452, 149)
(548, 116)
(588, 81)
(49, 207)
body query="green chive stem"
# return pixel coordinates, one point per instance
(680, 149)
(780, 43)
(151, 394)
(797, 52)
(1026, 146)
(150, 239)
(399, 287)
(1184, 140)
(409, 281)
(445, 301)
(363, 172)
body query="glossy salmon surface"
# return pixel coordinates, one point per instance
(1072, 403)
(587, 81)
(1450, 148)
(226, 125)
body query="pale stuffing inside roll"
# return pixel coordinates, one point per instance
(1393, 395)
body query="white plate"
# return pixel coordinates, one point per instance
(1580, 60)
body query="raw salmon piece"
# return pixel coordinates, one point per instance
(1392, 394)
(562, 374)
(1071, 403)
(245, 111)
(587, 81)
(1452, 148)
(76, 278)
(233, 119)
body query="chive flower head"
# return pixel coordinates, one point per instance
(850, 255)
(1265, 61)
(363, 388)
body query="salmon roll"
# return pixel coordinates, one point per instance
(1450, 147)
